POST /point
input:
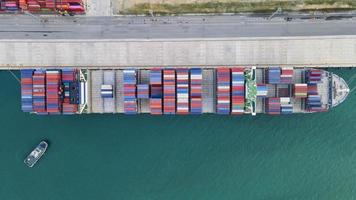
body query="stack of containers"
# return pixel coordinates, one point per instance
(314, 76)
(106, 91)
(26, 90)
(69, 109)
(33, 6)
(23, 4)
(70, 5)
(143, 91)
(300, 90)
(196, 88)
(287, 76)
(68, 77)
(74, 6)
(156, 106)
(182, 91)
(62, 5)
(283, 90)
(50, 4)
(223, 90)
(130, 101)
(156, 91)
(169, 91)
(53, 81)
(312, 88)
(9, 5)
(274, 75)
(286, 106)
(238, 91)
(39, 91)
(262, 90)
(273, 106)
(314, 103)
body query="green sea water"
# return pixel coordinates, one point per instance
(208, 157)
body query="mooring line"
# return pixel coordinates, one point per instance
(12, 73)
(352, 78)
(353, 89)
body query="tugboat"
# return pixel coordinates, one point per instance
(36, 154)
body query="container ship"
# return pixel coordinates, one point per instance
(182, 91)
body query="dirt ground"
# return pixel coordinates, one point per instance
(221, 6)
(126, 4)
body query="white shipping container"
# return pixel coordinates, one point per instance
(183, 100)
(223, 87)
(196, 77)
(184, 95)
(182, 76)
(223, 101)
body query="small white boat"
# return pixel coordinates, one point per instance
(36, 154)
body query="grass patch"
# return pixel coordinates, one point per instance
(330, 2)
(241, 7)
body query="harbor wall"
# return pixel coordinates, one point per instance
(321, 51)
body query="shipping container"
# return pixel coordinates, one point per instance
(223, 90)
(169, 91)
(143, 91)
(273, 106)
(9, 5)
(39, 91)
(70, 93)
(286, 105)
(182, 91)
(130, 100)
(107, 91)
(156, 91)
(156, 106)
(300, 90)
(314, 103)
(262, 90)
(283, 90)
(196, 78)
(312, 89)
(237, 90)
(286, 75)
(313, 76)
(274, 75)
(53, 83)
(26, 90)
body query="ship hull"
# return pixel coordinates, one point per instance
(221, 90)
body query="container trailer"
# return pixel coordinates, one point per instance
(43, 6)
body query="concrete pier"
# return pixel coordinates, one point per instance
(315, 51)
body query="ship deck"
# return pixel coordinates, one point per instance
(339, 90)
(99, 105)
(115, 105)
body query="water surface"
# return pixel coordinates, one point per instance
(209, 157)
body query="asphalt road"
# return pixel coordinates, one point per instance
(58, 27)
